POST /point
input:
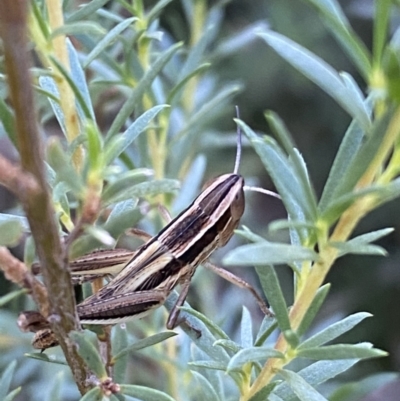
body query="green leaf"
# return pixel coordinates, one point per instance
(211, 326)
(10, 296)
(119, 343)
(144, 189)
(362, 159)
(360, 245)
(94, 147)
(147, 342)
(46, 358)
(335, 330)
(313, 309)
(95, 394)
(192, 326)
(283, 175)
(123, 216)
(229, 345)
(144, 393)
(11, 232)
(48, 85)
(261, 254)
(335, 20)
(78, 28)
(211, 365)
(359, 249)
(299, 167)
(101, 235)
(5, 380)
(265, 392)
(207, 390)
(155, 11)
(253, 354)
(86, 10)
(23, 221)
(89, 353)
(381, 26)
(8, 121)
(177, 88)
(319, 72)
(62, 165)
(77, 83)
(12, 394)
(108, 39)
(315, 374)
(274, 294)
(53, 393)
(79, 79)
(301, 388)
(119, 144)
(269, 324)
(190, 185)
(341, 351)
(140, 89)
(349, 147)
(246, 329)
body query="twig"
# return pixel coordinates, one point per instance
(36, 201)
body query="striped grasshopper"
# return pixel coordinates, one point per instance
(144, 278)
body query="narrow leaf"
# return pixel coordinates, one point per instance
(107, 40)
(95, 394)
(89, 353)
(253, 354)
(335, 330)
(46, 358)
(144, 393)
(359, 245)
(341, 351)
(315, 374)
(10, 232)
(207, 390)
(281, 172)
(10, 296)
(143, 189)
(261, 254)
(147, 342)
(313, 309)
(48, 84)
(5, 380)
(125, 180)
(78, 28)
(214, 328)
(348, 149)
(194, 326)
(337, 23)
(86, 10)
(118, 145)
(246, 329)
(140, 89)
(301, 388)
(211, 365)
(274, 294)
(319, 72)
(12, 394)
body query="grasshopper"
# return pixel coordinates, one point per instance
(144, 278)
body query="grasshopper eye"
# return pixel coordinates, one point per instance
(237, 206)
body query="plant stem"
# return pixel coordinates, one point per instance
(328, 255)
(67, 97)
(37, 202)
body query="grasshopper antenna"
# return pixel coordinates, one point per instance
(261, 191)
(238, 145)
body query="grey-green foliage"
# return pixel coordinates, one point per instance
(218, 366)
